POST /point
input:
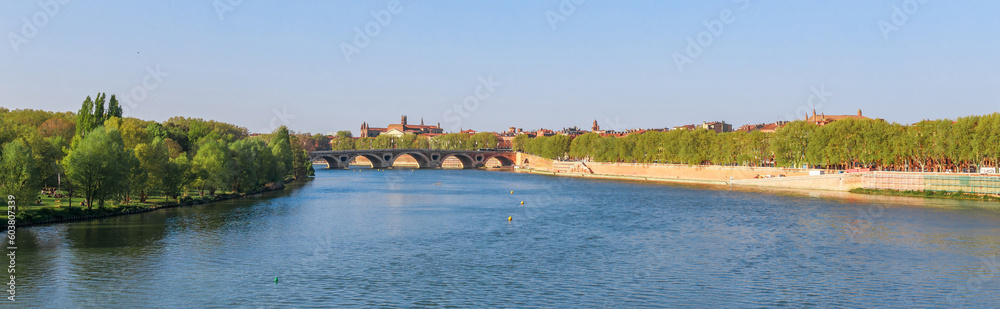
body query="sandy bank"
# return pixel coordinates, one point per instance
(704, 174)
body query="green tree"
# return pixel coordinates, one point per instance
(155, 130)
(986, 138)
(816, 153)
(364, 143)
(134, 132)
(604, 148)
(556, 146)
(212, 167)
(963, 148)
(95, 165)
(724, 148)
(154, 161)
(422, 142)
(407, 140)
(135, 178)
(300, 158)
(178, 175)
(47, 152)
(790, 143)
(384, 141)
(100, 115)
(254, 165)
(920, 136)
(84, 120)
(582, 145)
(93, 114)
(482, 140)
(18, 174)
(450, 141)
(114, 108)
(343, 141)
(520, 142)
(281, 149)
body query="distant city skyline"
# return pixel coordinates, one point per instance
(328, 66)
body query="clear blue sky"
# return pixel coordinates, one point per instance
(607, 60)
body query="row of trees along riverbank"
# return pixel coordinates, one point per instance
(930, 145)
(451, 141)
(101, 158)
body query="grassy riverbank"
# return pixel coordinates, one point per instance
(928, 194)
(48, 213)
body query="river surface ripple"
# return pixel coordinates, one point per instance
(441, 238)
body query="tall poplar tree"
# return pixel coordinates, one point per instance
(114, 108)
(84, 117)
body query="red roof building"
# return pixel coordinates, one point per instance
(399, 129)
(763, 127)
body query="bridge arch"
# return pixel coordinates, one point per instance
(330, 162)
(422, 160)
(467, 161)
(375, 159)
(334, 162)
(425, 158)
(504, 160)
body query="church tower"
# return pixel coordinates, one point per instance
(596, 127)
(403, 120)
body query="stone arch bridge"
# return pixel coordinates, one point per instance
(426, 158)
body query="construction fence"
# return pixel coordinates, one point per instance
(979, 184)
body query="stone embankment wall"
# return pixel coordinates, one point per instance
(712, 174)
(834, 182)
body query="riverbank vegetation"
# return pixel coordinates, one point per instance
(928, 194)
(54, 163)
(930, 145)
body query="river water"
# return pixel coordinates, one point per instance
(441, 238)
